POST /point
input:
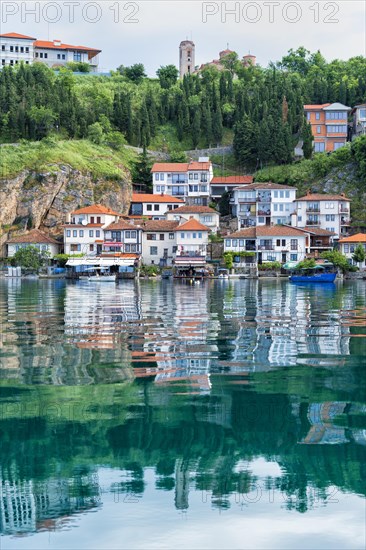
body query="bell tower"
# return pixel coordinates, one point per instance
(186, 57)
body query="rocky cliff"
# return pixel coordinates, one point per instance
(42, 199)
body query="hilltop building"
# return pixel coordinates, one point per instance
(16, 48)
(324, 211)
(329, 125)
(359, 120)
(186, 57)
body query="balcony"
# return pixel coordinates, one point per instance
(345, 221)
(246, 200)
(343, 210)
(313, 209)
(263, 212)
(312, 222)
(266, 247)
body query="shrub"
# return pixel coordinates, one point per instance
(269, 266)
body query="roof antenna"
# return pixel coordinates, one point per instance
(227, 45)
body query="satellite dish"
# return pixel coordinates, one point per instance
(84, 222)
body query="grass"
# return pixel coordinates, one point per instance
(98, 160)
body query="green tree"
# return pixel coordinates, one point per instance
(30, 257)
(308, 139)
(141, 170)
(337, 259)
(168, 76)
(224, 204)
(43, 119)
(135, 73)
(359, 254)
(96, 133)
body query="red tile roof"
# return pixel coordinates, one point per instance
(267, 231)
(267, 185)
(316, 107)
(49, 45)
(318, 231)
(194, 209)
(323, 197)
(95, 209)
(160, 225)
(16, 35)
(150, 197)
(192, 225)
(358, 238)
(222, 180)
(121, 224)
(35, 236)
(195, 165)
(170, 167)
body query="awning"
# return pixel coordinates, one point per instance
(100, 262)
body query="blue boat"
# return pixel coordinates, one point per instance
(317, 274)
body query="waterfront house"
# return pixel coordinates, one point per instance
(277, 243)
(84, 229)
(348, 245)
(189, 181)
(260, 204)
(36, 238)
(226, 184)
(321, 240)
(153, 206)
(325, 211)
(121, 237)
(159, 242)
(203, 214)
(16, 48)
(359, 120)
(329, 125)
(191, 242)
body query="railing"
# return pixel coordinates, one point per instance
(343, 210)
(312, 222)
(345, 221)
(189, 254)
(242, 199)
(266, 247)
(310, 209)
(264, 213)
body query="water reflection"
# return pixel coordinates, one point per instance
(210, 394)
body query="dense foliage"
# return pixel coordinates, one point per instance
(262, 109)
(30, 257)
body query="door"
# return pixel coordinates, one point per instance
(259, 257)
(99, 249)
(284, 257)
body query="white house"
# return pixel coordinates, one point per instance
(359, 120)
(189, 181)
(153, 206)
(348, 246)
(203, 214)
(259, 204)
(225, 184)
(330, 212)
(121, 237)
(36, 238)
(16, 48)
(277, 243)
(159, 242)
(84, 229)
(191, 241)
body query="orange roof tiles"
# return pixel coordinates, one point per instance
(150, 197)
(192, 225)
(34, 236)
(49, 45)
(195, 165)
(267, 185)
(170, 167)
(120, 225)
(95, 209)
(217, 180)
(358, 238)
(322, 197)
(315, 107)
(17, 35)
(194, 208)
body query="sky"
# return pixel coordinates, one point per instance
(150, 31)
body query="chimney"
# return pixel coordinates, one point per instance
(57, 42)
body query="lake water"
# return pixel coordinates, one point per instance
(158, 414)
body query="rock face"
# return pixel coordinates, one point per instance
(42, 200)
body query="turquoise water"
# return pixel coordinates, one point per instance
(159, 414)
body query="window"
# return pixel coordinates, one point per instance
(275, 194)
(190, 176)
(182, 235)
(127, 248)
(200, 235)
(21, 49)
(27, 49)
(3, 61)
(91, 219)
(77, 56)
(153, 250)
(281, 207)
(207, 219)
(41, 55)
(319, 147)
(3, 48)
(194, 235)
(68, 233)
(36, 54)
(127, 234)
(45, 55)
(91, 247)
(337, 129)
(156, 177)
(16, 48)
(260, 219)
(97, 233)
(74, 233)
(58, 56)
(163, 188)
(299, 218)
(11, 62)
(308, 116)
(362, 113)
(174, 250)
(293, 257)
(293, 244)
(98, 219)
(133, 234)
(235, 242)
(203, 188)
(335, 115)
(278, 242)
(317, 116)
(81, 233)
(228, 242)
(318, 129)
(91, 232)
(281, 194)
(162, 236)
(195, 176)
(63, 56)
(133, 247)
(171, 236)
(151, 237)
(161, 177)
(149, 207)
(156, 207)
(75, 248)
(346, 248)
(158, 188)
(338, 145)
(11, 48)
(287, 194)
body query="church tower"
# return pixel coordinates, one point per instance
(186, 57)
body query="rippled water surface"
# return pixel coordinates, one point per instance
(230, 414)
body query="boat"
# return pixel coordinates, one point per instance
(98, 275)
(316, 274)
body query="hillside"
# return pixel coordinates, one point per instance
(41, 182)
